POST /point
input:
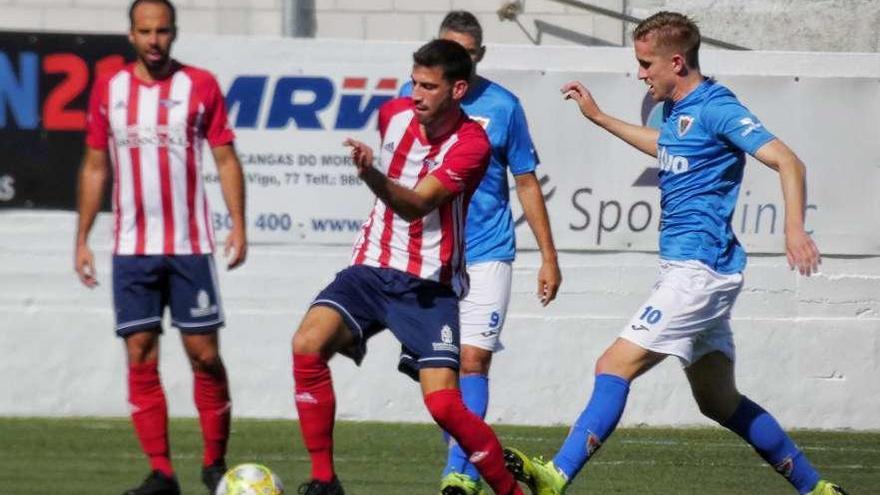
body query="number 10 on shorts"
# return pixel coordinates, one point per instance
(651, 315)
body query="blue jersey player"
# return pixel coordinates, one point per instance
(701, 150)
(489, 233)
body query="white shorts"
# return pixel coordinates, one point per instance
(688, 313)
(483, 310)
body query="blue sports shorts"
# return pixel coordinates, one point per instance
(144, 285)
(422, 314)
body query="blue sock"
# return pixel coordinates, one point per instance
(757, 427)
(475, 392)
(594, 425)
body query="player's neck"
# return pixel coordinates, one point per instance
(443, 125)
(473, 82)
(687, 84)
(150, 76)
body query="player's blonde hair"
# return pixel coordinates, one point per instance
(672, 31)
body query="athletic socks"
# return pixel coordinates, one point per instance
(316, 406)
(149, 414)
(757, 427)
(474, 436)
(475, 392)
(211, 394)
(594, 425)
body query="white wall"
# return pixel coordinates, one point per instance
(809, 349)
(809, 25)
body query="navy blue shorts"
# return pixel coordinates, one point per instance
(144, 285)
(422, 314)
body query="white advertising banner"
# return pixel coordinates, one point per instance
(293, 105)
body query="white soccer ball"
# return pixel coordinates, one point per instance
(250, 479)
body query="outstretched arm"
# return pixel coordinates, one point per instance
(528, 189)
(93, 175)
(642, 138)
(409, 204)
(800, 249)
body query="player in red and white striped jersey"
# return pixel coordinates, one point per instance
(149, 122)
(430, 247)
(407, 272)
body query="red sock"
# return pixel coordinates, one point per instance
(316, 406)
(149, 413)
(475, 438)
(211, 395)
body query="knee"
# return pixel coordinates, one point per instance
(207, 361)
(475, 363)
(305, 341)
(142, 347)
(717, 406)
(606, 364)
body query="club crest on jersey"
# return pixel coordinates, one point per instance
(389, 146)
(684, 124)
(483, 121)
(429, 163)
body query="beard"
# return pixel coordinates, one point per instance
(442, 108)
(155, 64)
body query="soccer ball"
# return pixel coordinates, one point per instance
(250, 479)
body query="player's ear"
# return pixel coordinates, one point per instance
(678, 64)
(459, 89)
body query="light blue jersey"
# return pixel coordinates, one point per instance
(489, 230)
(701, 157)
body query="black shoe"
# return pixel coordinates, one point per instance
(316, 487)
(156, 483)
(211, 475)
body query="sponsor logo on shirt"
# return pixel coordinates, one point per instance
(750, 126)
(671, 163)
(169, 103)
(135, 136)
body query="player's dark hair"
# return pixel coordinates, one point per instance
(674, 31)
(462, 21)
(448, 55)
(166, 3)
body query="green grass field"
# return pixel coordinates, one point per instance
(100, 456)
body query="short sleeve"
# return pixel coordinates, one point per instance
(465, 163)
(733, 122)
(521, 155)
(217, 129)
(97, 121)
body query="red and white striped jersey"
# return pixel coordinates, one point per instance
(431, 247)
(154, 133)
